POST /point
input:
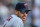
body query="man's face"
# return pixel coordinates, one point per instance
(22, 15)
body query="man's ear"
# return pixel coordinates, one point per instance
(16, 12)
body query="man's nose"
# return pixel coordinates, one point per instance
(24, 14)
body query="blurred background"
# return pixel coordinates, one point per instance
(7, 7)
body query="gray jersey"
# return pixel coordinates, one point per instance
(13, 21)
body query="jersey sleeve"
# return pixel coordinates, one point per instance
(4, 25)
(7, 22)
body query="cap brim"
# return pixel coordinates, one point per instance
(28, 10)
(25, 11)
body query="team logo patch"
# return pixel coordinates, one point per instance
(25, 5)
(9, 18)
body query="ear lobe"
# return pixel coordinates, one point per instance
(16, 12)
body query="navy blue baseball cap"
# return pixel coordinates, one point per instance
(22, 7)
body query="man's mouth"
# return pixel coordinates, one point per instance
(24, 18)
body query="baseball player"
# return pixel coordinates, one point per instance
(21, 11)
(13, 21)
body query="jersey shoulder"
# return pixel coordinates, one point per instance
(13, 21)
(13, 18)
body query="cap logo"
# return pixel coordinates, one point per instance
(25, 5)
